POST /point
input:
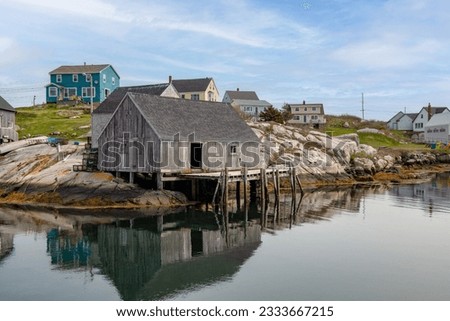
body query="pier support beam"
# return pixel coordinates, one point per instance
(131, 178)
(159, 181)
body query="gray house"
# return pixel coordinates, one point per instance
(163, 136)
(104, 112)
(7, 122)
(246, 101)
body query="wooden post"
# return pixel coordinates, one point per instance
(217, 189)
(225, 199)
(263, 187)
(238, 195)
(277, 174)
(159, 181)
(131, 177)
(300, 185)
(245, 184)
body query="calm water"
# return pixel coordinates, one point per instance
(359, 243)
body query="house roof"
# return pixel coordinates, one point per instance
(191, 85)
(247, 102)
(243, 95)
(400, 114)
(412, 116)
(4, 105)
(440, 119)
(210, 121)
(109, 105)
(434, 110)
(89, 69)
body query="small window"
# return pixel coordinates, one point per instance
(104, 78)
(183, 96)
(58, 78)
(297, 109)
(314, 108)
(86, 92)
(75, 77)
(52, 92)
(88, 77)
(421, 116)
(113, 80)
(195, 97)
(306, 108)
(233, 149)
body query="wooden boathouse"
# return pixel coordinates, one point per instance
(168, 137)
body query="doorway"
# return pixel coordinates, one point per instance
(196, 155)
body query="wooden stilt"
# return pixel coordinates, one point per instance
(263, 186)
(131, 177)
(245, 184)
(216, 190)
(238, 196)
(225, 199)
(159, 181)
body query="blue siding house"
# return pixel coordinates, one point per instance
(74, 83)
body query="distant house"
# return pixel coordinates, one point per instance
(405, 122)
(307, 114)
(425, 115)
(437, 130)
(75, 82)
(103, 113)
(7, 122)
(246, 101)
(393, 122)
(159, 136)
(196, 89)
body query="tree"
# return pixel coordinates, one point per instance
(272, 114)
(286, 112)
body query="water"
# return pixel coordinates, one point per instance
(358, 243)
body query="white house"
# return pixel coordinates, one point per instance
(246, 101)
(393, 122)
(307, 114)
(437, 130)
(425, 115)
(405, 122)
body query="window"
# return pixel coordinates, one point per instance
(297, 109)
(104, 78)
(233, 149)
(52, 92)
(113, 80)
(88, 77)
(86, 92)
(314, 117)
(314, 108)
(248, 108)
(421, 116)
(75, 77)
(183, 96)
(306, 108)
(195, 97)
(58, 78)
(107, 92)
(69, 92)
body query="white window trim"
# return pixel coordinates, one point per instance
(59, 78)
(67, 90)
(113, 80)
(87, 77)
(84, 92)
(75, 78)
(104, 78)
(50, 91)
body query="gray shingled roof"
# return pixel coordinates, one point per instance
(78, 69)
(191, 85)
(244, 95)
(210, 121)
(247, 102)
(434, 110)
(4, 105)
(109, 105)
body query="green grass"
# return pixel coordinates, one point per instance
(37, 121)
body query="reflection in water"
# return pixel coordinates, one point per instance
(159, 257)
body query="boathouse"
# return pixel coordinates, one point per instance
(168, 136)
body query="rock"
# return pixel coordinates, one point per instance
(370, 131)
(346, 125)
(352, 137)
(366, 164)
(366, 149)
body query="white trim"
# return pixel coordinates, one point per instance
(75, 76)
(67, 92)
(84, 91)
(58, 78)
(50, 91)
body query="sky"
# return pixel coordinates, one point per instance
(395, 52)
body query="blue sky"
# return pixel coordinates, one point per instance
(396, 52)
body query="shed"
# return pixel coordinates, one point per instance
(152, 134)
(7, 122)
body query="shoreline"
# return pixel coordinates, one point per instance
(405, 176)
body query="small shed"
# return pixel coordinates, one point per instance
(7, 122)
(153, 134)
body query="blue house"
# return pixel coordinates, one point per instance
(75, 83)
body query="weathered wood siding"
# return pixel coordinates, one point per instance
(128, 142)
(7, 124)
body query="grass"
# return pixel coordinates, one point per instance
(37, 121)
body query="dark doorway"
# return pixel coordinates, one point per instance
(196, 155)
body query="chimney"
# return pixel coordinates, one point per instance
(85, 63)
(304, 102)
(237, 89)
(170, 80)
(429, 111)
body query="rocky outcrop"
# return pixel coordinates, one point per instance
(38, 174)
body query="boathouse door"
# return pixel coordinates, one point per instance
(196, 155)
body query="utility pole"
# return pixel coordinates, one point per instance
(362, 105)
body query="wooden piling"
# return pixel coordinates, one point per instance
(225, 196)
(238, 195)
(263, 186)
(245, 184)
